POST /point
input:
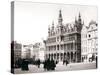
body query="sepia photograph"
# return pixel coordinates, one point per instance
(49, 37)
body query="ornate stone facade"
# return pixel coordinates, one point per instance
(92, 40)
(89, 42)
(64, 40)
(84, 44)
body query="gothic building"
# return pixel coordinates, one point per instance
(64, 40)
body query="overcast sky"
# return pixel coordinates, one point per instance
(31, 20)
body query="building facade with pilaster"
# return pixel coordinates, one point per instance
(89, 39)
(92, 40)
(84, 44)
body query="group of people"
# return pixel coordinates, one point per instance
(37, 63)
(24, 65)
(49, 64)
(65, 62)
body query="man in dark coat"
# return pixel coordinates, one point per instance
(52, 64)
(38, 63)
(48, 64)
(66, 62)
(45, 65)
(96, 62)
(25, 64)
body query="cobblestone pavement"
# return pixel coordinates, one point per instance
(59, 67)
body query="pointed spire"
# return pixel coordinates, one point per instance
(60, 18)
(79, 18)
(60, 14)
(52, 25)
(49, 29)
(79, 14)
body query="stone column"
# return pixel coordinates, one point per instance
(56, 47)
(59, 47)
(70, 57)
(76, 56)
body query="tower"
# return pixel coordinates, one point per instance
(79, 24)
(79, 19)
(60, 19)
(52, 25)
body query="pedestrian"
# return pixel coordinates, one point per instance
(48, 66)
(52, 64)
(24, 65)
(63, 62)
(96, 62)
(38, 63)
(45, 65)
(56, 62)
(66, 62)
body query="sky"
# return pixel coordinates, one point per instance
(31, 20)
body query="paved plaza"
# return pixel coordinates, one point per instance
(59, 67)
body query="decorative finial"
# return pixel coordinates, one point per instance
(52, 23)
(79, 15)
